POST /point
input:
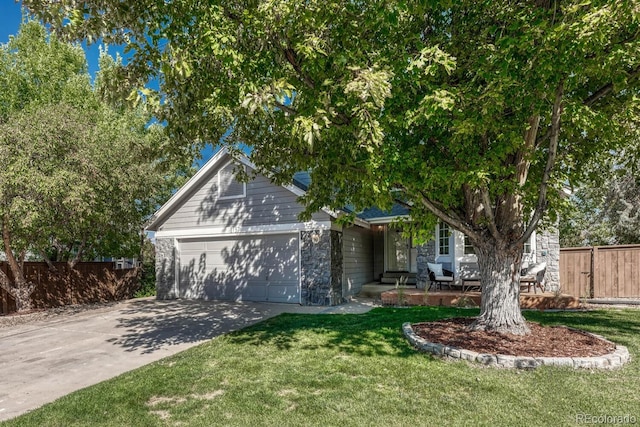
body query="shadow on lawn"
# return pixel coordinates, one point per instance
(151, 325)
(375, 333)
(378, 332)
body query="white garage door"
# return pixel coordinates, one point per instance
(255, 268)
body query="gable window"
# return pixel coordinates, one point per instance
(228, 185)
(443, 239)
(468, 247)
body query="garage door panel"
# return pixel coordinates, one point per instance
(262, 268)
(193, 246)
(281, 260)
(255, 291)
(283, 292)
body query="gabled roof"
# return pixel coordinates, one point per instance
(300, 184)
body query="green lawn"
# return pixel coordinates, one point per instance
(342, 370)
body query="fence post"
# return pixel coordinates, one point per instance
(595, 268)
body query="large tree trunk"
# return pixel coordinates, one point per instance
(22, 294)
(500, 280)
(21, 288)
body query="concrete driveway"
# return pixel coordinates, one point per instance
(47, 359)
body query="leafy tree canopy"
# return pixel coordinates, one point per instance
(474, 113)
(80, 174)
(605, 210)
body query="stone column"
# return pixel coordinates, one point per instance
(426, 253)
(321, 267)
(165, 269)
(548, 250)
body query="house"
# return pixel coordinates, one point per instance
(220, 238)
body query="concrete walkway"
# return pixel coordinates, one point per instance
(47, 359)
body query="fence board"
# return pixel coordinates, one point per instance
(89, 282)
(575, 271)
(623, 268)
(614, 271)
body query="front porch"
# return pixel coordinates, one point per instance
(389, 295)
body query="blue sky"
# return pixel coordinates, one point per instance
(10, 19)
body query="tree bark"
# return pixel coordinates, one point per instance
(21, 288)
(76, 259)
(46, 259)
(500, 280)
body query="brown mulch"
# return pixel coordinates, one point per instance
(544, 341)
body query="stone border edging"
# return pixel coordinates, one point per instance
(610, 361)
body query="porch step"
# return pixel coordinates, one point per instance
(374, 290)
(398, 274)
(393, 277)
(392, 280)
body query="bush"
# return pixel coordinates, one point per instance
(148, 277)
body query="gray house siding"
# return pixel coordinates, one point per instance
(264, 204)
(357, 252)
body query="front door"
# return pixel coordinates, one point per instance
(398, 251)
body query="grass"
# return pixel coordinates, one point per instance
(352, 370)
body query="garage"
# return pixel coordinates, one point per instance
(244, 268)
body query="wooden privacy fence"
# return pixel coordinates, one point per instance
(88, 282)
(601, 271)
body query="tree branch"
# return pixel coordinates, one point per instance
(488, 212)
(46, 259)
(590, 100)
(551, 160)
(607, 89)
(23, 255)
(530, 144)
(286, 108)
(73, 262)
(4, 283)
(454, 222)
(292, 58)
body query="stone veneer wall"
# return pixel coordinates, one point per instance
(321, 267)
(548, 250)
(337, 264)
(426, 253)
(165, 269)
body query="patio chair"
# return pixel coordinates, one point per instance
(439, 275)
(533, 276)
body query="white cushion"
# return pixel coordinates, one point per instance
(444, 279)
(436, 269)
(536, 269)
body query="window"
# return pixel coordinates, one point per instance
(443, 239)
(527, 245)
(228, 185)
(468, 247)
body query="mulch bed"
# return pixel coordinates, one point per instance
(544, 341)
